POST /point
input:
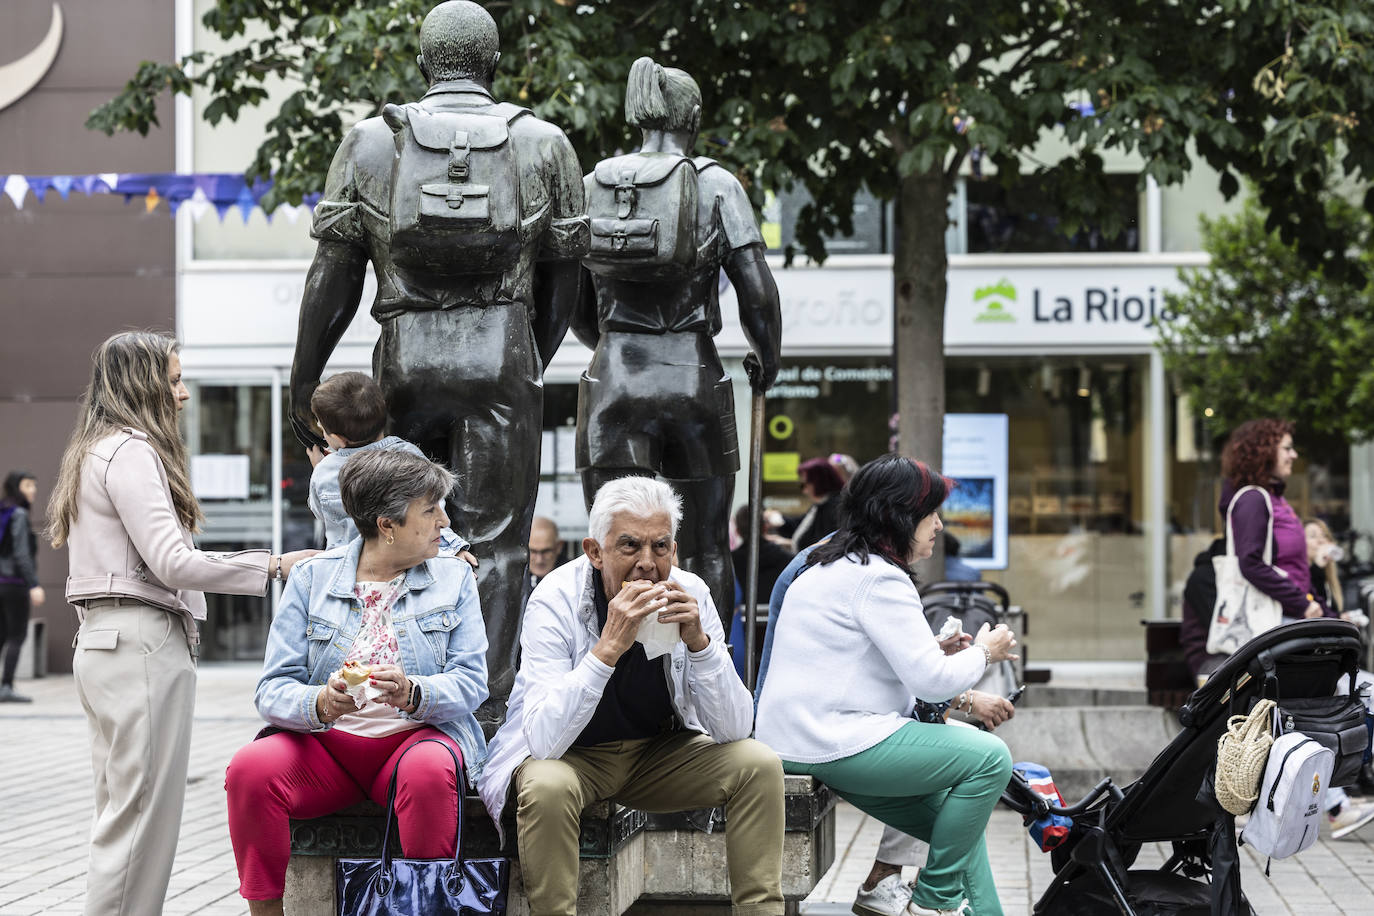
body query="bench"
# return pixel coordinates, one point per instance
(629, 861)
(1168, 681)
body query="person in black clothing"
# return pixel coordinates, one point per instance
(1199, 597)
(19, 588)
(775, 552)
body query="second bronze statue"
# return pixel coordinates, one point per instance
(655, 399)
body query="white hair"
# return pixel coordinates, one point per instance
(641, 497)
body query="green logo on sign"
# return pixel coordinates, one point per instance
(999, 297)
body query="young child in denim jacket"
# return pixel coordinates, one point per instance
(351, 412)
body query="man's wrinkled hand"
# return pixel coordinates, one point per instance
(681, 608)
(624, 613)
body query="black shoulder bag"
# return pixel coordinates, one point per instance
(434, 887)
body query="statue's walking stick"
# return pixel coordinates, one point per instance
(751, 579)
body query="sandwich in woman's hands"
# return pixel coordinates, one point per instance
(357, 676)
(355, 673)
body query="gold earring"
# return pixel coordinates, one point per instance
(390, 539)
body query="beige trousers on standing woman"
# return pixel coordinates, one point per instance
(136, 680)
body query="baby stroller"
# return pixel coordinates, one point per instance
(1173, 801)
(974, 603)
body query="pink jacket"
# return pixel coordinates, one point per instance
(127, 542)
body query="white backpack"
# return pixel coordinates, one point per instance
(1288, 811)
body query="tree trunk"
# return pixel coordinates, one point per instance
(919, 264)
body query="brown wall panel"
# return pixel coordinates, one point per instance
(44, 134)
(102, 42)
(116, 237)
(73, 272)
(56, 322)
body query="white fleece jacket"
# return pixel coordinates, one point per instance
(851, 652)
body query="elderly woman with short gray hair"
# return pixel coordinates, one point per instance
(388, 612)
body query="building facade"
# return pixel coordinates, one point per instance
(73, 269)
(1110, 486)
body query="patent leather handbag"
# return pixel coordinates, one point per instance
(433, 887)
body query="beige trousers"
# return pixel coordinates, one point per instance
(673, 772)
(137, 681)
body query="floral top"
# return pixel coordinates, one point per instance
(376, 640)
(376, 644)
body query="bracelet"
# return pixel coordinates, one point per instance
(987, 655)
(970, 702)
(276, 573)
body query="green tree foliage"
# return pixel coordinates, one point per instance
(892, 95)
(1259, 332)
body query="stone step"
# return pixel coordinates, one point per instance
(1039, 696)
(1082, 744)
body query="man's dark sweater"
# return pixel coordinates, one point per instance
(636, 702)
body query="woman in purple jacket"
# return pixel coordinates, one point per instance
(1261, 453)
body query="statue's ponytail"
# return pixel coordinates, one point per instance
(644, 103)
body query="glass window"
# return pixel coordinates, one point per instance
(1077, 555)
(230, 436)
(1181, 207)
(1026, 218)
(285, 236)
(872, 225)
(819, 406)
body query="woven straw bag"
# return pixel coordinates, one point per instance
(1241, 755)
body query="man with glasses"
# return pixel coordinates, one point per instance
(546, 548)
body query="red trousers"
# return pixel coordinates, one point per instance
(291, 774)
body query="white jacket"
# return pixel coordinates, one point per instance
(852, 647)
(560, 682)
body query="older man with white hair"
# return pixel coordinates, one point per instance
(593, 717)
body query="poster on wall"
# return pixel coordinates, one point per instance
(975, 449)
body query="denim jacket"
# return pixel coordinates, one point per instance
(439, 629)
(327, 504)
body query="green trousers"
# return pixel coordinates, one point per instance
(673, 772)
(938, 783)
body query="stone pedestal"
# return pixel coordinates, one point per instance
(659, 865)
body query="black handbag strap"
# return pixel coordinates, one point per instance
(391, 805)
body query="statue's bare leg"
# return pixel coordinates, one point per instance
(703, 542)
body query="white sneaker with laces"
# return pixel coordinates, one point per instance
(888, 897)
(915, 909)
(1353, 816)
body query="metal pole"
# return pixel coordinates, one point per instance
(751, 579)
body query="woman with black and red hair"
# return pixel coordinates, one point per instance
(821, 483)
(858, 621)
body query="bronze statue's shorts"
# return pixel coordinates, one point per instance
(660, 402)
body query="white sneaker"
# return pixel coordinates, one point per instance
(1353, 816)
(915, 909)
(888, 897)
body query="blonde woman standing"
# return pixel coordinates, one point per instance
(123, 506)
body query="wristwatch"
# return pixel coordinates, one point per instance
(415, 697)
